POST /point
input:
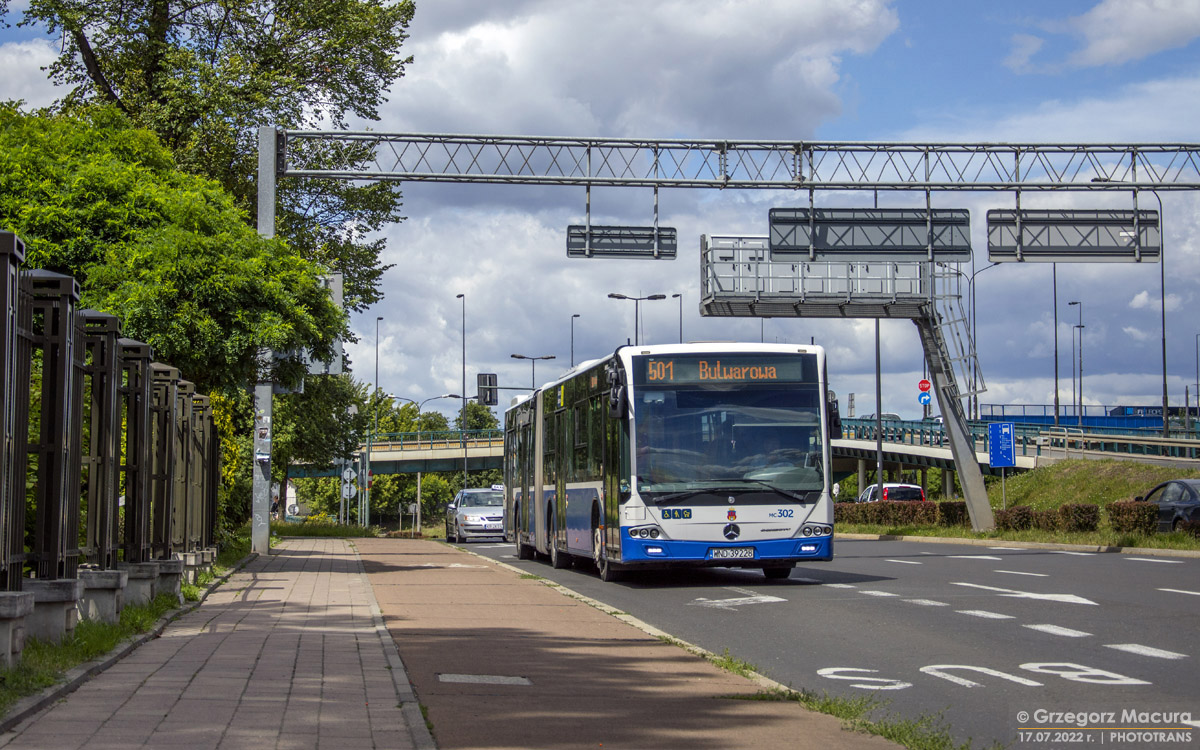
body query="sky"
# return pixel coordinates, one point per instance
(1071, 71)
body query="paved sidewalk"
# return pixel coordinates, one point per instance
(501, 661)
(286, 654)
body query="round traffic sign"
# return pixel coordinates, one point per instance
(924, 386)
(924, 398)
(349, 491)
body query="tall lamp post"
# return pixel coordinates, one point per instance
(680, 298)
(462, 432)
(1080, 327)
(636, 300)
(420, 407)
(573, 317)
(533, 367)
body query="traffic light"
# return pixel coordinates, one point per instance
(488, 392)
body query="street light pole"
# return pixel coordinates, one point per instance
(1080, 327)
(364, 517)
(573, 317)
(636, 300)
(533, 367)
(680, 298)
(462, 432)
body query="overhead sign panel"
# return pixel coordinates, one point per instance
(621, 242)
(1073, 236)
(871, 233)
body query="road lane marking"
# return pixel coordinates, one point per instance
(1022, 573)
(927, 602)
(1068, 552)
(841, 585)
(1008, 549)
(905, 562)
(1181, 591)
(736, 602)
(975, 557)
(984, 614)
(878, 593)
(1140, 650)
(1058, 630)
(1151, 559)
(1063, 598)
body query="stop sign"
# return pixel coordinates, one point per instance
(924, 385)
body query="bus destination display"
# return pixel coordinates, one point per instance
(718, 369)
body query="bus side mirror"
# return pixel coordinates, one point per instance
(834, 418)
(617, 400)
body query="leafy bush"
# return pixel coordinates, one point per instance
(1079, 517)
(1046, 520)
(952, 513)
(1133, 516)
(1016, 518)
(849, 513)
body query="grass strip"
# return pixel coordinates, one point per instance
(44, 664)
(290, 528)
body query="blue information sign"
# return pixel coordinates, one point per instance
(924, 398)
(1000, 445)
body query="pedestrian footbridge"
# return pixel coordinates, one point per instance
(906, 445)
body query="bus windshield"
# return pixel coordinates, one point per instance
(693, 439)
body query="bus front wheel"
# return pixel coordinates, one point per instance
(604, 568)
(775, 574)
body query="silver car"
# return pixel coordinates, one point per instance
(475, 513)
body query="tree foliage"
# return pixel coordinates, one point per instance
(205, 74)
(167, 252)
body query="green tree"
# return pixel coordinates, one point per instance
(203, 75)
(167, 252)
(479, 417)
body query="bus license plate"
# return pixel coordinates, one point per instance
(721, 553)
(493, 526)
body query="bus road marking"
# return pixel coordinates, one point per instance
(1058, 630)
(984, 614)
(1151, 559)
(736, 602)
(1064, 598)
(1022, 573)
(1181, 591)
(1140, 650)
(905, 562)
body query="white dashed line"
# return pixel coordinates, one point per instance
(975, 557)
(1058, 630)
(1008, 549)
(878, 593)
(1140, 650)
(1067, 552)
(984, 613)
(1181, 591)
(927, 602)
(840, 585)
(905, 562)
(1151, 559)
(1022, 573)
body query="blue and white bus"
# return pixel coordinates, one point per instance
(676, 455)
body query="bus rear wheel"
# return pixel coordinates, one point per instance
(558, 560)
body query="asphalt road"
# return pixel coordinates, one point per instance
(1033, 648)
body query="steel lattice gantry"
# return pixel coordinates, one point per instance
(741, 164)
(805, 167)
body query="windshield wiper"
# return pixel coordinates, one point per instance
(684, 495)
(806, 497)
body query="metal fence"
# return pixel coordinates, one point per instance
(106, 456)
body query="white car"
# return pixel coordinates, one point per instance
(475, 513)
(892, 491)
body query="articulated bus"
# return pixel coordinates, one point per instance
(675, 455)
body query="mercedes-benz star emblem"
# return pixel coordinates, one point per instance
(732, 500)
(731, 531)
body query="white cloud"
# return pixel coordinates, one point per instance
(1135, 333)
(1120, 31)
(1025, 46)
(23, 78)
(1140, 300)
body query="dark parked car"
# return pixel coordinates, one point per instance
(1178, 500)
